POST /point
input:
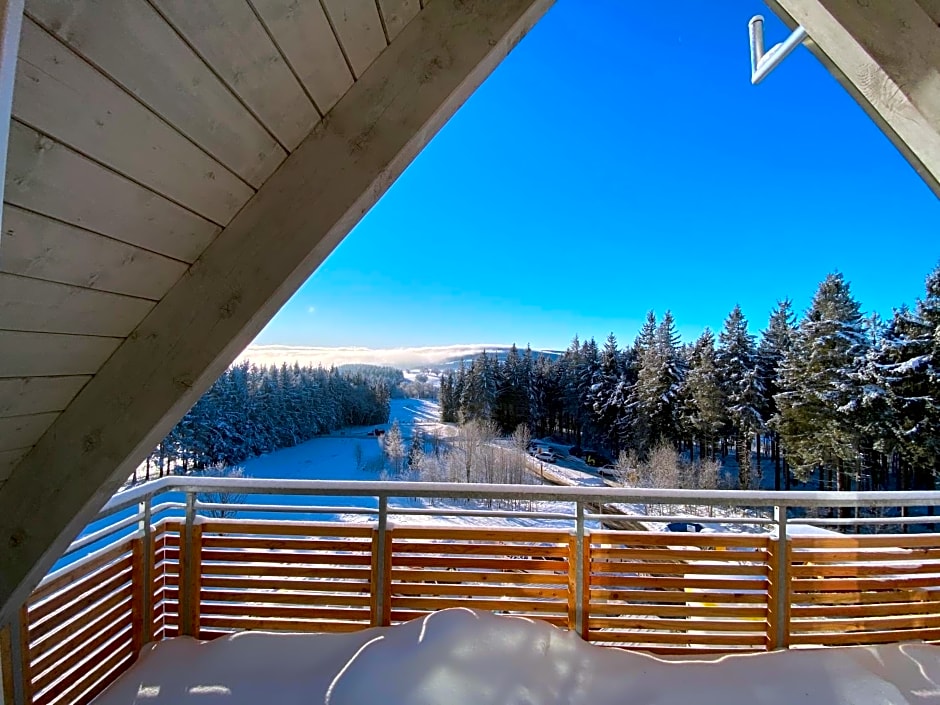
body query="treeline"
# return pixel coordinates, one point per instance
(849, 399)
(252, 410)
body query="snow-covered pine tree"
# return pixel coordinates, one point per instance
(774, 345)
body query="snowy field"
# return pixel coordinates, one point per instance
(466, 657)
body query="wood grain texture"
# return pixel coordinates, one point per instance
(62, 95)
(24, 431)
(46, 307)
(304, 36)
(51, 354)
(34, 395)
(229, 37)
(131, 43)
(359, 28)
(307, 207)
(46, 177)
(42, 248)
(396, 14)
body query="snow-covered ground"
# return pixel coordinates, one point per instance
(466, 657)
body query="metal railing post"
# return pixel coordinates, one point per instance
(146, 574)
(780, 629)
(187, 556)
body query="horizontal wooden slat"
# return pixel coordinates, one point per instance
(290, 571)
(413, 561)
(68, 690)
(679, 554)
(297, 585)
(707, 611)
(324, 529)
(52, 354)
(850, 598)
(272, 544)
(439, 603)
(637, 539)
(683, 583)
(465, 576)
(65, 621)
(98, 583)
(676, 568)
(47, 307)
(526, 535)
(284, 612)
(852, 570)
(741, 639)
(659, 596)
(892, 582)
(48, 178)
(480, 549)
(862, 624)
(121, 631)
(62, 95)
(220, 555)
(673, 625)
(75, 574)
(429, 589)
(402, 615)
(281, 598)
(51, 650)
(890, 609)
(874, 555)
(43, 248)
(23, 431)
(35, 395)
(867, 541)
(870, 637)
(279, 625)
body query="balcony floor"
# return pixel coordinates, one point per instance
(464, 657)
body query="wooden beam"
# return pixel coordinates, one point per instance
(887, 55)
(11, 22)
(270, 248)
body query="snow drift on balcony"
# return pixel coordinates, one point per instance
(465, 657)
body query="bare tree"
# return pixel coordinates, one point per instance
(394, 447)
(222, 496)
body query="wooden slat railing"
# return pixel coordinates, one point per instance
(661, 592)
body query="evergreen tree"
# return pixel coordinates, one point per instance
(774, 346)
(705, 401)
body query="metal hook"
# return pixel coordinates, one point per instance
(763, 63)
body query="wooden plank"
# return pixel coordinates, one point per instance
(507, 564)
(49, 178)
(466, 576)
(307, 206)
(20, 396)
(639, 539)
(43, 679)
(304, 585)
(114, 559)
(289, 571)
(398, 616)
(6, 665)
(901, 600)
(261, 557)
(471, 590)
(684, 583)
(67, 690)
(440, 603)
(39, 306)
(742, 639)
(859, 624)
(52, 354)
(892, 582)
(132, 44)
(689, 626)
(521, 535)
(42, 248)
(359, 28)
(396, 14)
(890, 609)
(292, 612)
(337, 599)
(480, 549)
(258, 544)
(303, 34)
(82, 610)
(284, 625)
(866, 637)
(857, 570)
(634, 597)
(51, 650)
(82, 593)
(863, 542)
(704, 611)
(698, 568)
(229, 37)
(60, 94)
(253, 527)
(678, 554)
(23, 431)
(852, 556)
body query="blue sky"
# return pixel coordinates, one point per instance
(619, 160)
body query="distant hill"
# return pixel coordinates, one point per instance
(442, 357)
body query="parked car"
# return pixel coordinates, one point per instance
(545, 457)
(609, 471)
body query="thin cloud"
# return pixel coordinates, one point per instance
(396, 357)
